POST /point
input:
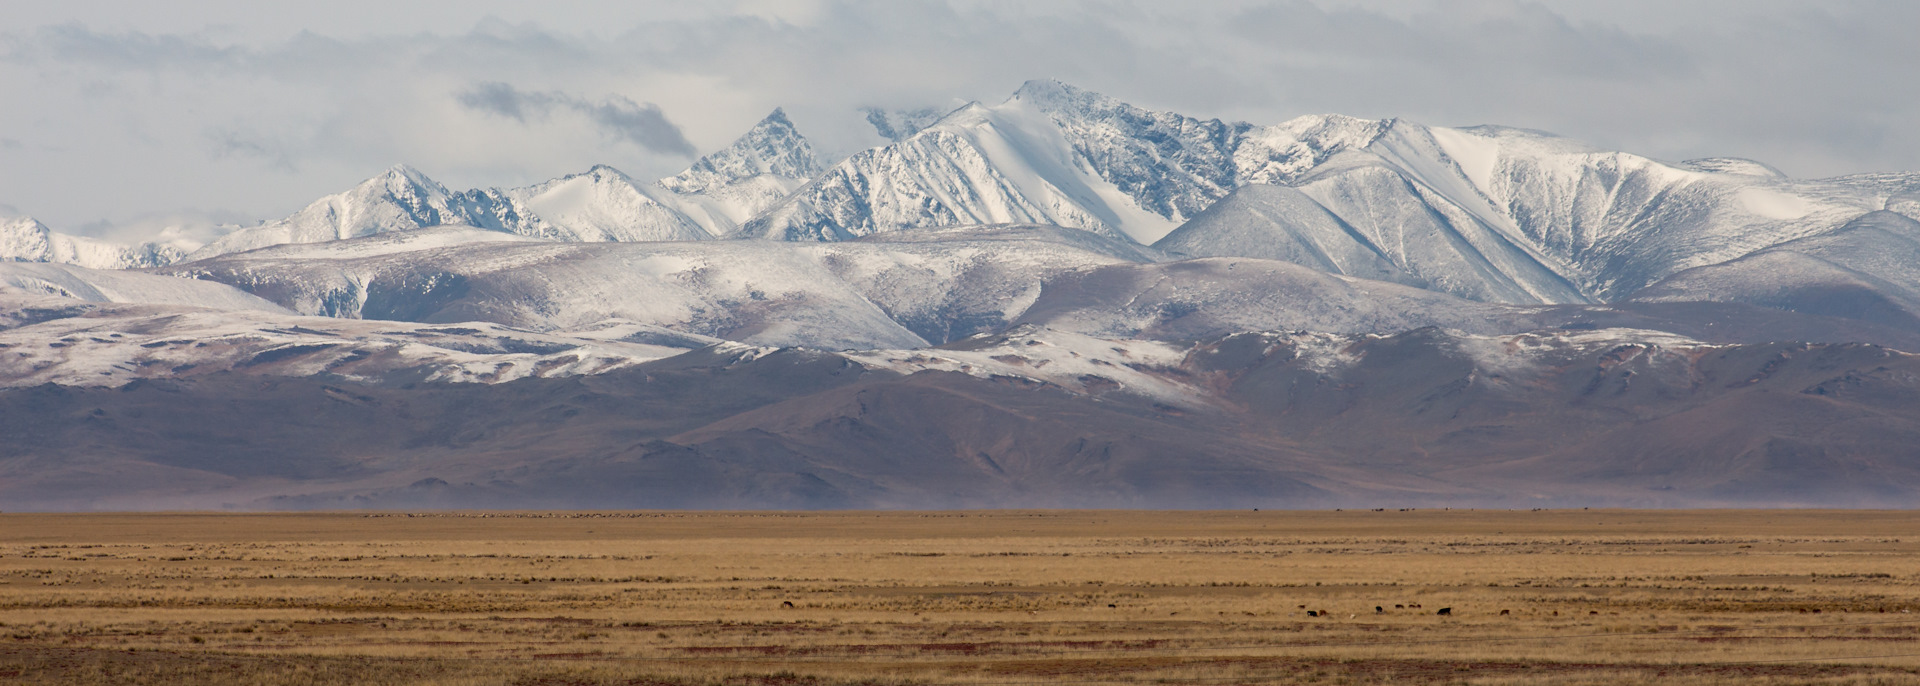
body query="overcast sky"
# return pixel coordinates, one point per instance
(124, 115)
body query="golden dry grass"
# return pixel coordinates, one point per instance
(1564, 597)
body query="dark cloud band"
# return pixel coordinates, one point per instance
(620, 117)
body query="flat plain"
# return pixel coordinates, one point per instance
(987, 597)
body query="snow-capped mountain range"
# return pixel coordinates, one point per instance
(1059, 264)
(707, 200)
(1488, 213)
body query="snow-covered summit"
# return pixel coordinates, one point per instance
(1053, 153)
(898, 125)
(728, 187)
(1002, 164)
(1487, 212)
(601, 205)
(24, 239)
(772, 146)
(1513, 215)
(401, 198)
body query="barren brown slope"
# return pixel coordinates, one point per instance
(1272, 420)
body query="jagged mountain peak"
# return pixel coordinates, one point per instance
(1056, 93)
(898, 125)
(401, 185)
(22, 223)
(1489, 212)
(25, 239)
(599, 173)
(972, 110)
(1336, 130)
(1074, 107)
(398, 199)
(404, 179)
(773, 146)
(402, 170)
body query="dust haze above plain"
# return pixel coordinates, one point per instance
(127, 116)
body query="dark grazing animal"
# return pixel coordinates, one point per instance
(1445, 611)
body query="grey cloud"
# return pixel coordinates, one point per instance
(191, 226)
(229, 142)
(1478, 36)
(642, 124)
(132, 50)
(502, 100)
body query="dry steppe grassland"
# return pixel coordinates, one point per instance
(990, 597)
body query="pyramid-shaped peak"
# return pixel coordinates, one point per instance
(1040, 88)
(23, 239)
(773, 146)
(1051, 94)
(23, 223)
(400, 180)
(405, 172)
(900, 124)
(1334, 131)
(604, 171)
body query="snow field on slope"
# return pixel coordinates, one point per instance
(391, 243)
(834, 295)
(1044, 163)
(1201, 298)
(113, 286)
(751, 292)
(927, 282)
(1515, 359)
(603, 205)
(1077, 363)
(114, 345)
